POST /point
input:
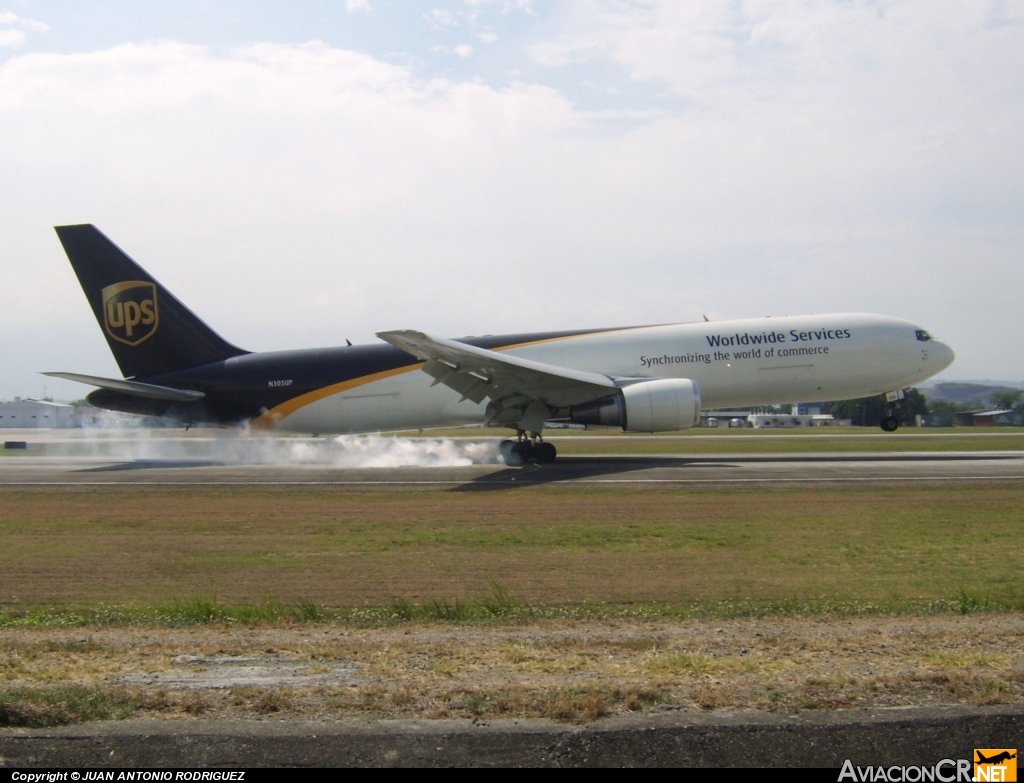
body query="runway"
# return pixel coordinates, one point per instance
(622, 470)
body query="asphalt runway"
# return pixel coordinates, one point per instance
(646, 470)
(815, 738)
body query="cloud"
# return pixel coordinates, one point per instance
(463, 50)
(357, 5)
(13, 20)
(439, 18)
(505, 5)
(12, 29)
(762, 165)
(11, 38)
(267, 135)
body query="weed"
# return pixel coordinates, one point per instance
(195, 703)
(197, 611)
(968, 603)
(992, 692)
(42, 707)
(270, 701)
(965, 660)
(444, 611)
(575, 706)
(401, 609)
(711, 697)
(696, 664)
(307, 611)
(499, 603)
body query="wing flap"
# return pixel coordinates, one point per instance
(478, 374)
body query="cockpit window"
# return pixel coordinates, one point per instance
(922, 335)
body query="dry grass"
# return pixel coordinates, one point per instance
(567, 672)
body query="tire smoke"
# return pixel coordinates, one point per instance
(243, 447)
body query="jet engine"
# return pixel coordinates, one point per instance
(651, 406)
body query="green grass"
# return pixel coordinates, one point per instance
(286, 555)
(720, 432)
(808, 440)
(479, 610)
(778, 443)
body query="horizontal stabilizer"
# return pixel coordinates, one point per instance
(133, 387)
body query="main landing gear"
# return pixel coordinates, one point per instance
(523, 450)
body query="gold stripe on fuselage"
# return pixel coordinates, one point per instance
(287, 408)
(278, 412)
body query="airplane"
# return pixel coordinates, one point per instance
(639, 378)
(997, 758)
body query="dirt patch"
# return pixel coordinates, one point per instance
(199, 672)
(572, 671)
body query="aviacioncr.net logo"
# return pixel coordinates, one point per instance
(130, 312)
(946, 771)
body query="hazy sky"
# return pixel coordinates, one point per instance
(303, 173)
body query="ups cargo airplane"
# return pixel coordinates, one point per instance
(640, 378)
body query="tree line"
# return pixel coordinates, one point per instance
(869, 411)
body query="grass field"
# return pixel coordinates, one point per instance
(544, 545)
(748, 441)
(541, 602)
(782, 444)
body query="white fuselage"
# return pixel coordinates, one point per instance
(761, 361)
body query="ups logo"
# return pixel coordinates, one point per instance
(130, 312)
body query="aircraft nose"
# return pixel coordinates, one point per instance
(950, 356)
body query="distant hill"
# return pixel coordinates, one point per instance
(977, 381)
(974, 394)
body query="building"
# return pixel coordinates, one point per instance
(724, 418)
(788, 420)
(809, 415)
(935, 420)
(1002, 418)
(36, 414)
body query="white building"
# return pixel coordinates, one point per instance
(787, 420)
(36, 414)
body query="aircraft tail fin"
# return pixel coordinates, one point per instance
(148, 330)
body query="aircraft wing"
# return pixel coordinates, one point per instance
(149, 390)
(510, 383)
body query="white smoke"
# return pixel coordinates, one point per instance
(244, 447)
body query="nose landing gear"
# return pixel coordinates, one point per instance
(523, 450)
(892, 399)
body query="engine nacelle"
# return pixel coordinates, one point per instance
(652, 406)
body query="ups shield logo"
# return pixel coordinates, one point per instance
(130, 312)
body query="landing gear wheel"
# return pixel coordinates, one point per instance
(505, 448)
(514, 452)
(520, 453)
(890, 424)
(544, 453)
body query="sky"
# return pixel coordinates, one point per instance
(305, 173)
